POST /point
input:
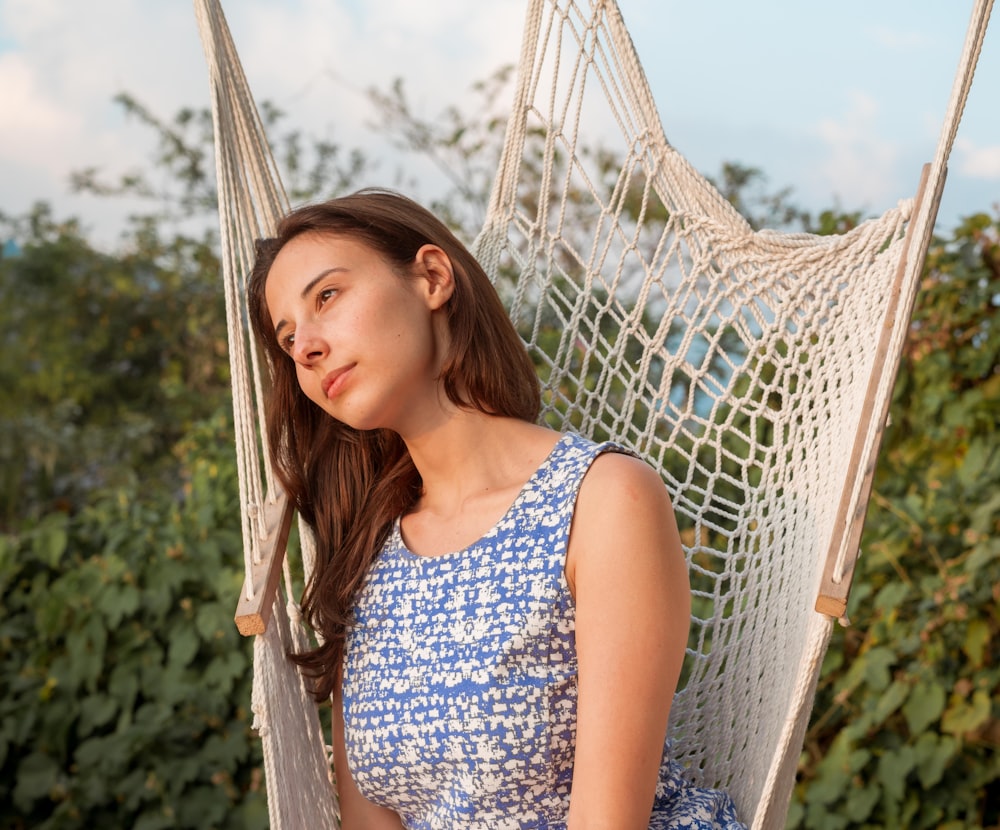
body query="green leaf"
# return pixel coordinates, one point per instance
(95, 711)
(977, 639)
(967, 715)
(90, 752)
(971, 470)
(36, 776)
(890, 701)
(118, 602)
(982, 555)
(983, 517)
(184, 643)
(51, 539)
(212, 621)
(833, 773)
(889, 598)
(224, 670)
(861, 801)
(933, 754)
(893, 767)
(156, 819)
(924, 706)
(796, 814)
(877, 662)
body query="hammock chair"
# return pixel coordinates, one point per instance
(754, 370)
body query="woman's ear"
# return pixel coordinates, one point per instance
(436, 274)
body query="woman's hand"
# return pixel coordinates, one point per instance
(627, 572)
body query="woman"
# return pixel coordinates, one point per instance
(502, 610)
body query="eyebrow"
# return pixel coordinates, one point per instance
(305, 293)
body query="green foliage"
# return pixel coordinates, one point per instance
(108, 360)
(907, 724)
(124, 685)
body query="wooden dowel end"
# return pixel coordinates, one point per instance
(252, 615)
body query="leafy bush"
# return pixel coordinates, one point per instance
(124, 685)
(906, 726)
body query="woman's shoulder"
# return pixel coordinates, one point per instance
(603, 470)
(615, 466)
(623, 504)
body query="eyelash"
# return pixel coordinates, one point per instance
(322, 296)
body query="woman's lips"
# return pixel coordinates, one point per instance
(334, 382)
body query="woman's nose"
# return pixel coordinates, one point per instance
(309, 346)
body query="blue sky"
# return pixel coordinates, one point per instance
(842, 101)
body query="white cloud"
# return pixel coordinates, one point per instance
(897, 40)
(26, 19)
(60, 67)
(62, 63)
(324, 51)
(977, 162)
(32, 122)
(859, 164)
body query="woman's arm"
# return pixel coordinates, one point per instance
(356, 811)
(627, 573)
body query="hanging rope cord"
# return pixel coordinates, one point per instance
(300, 788)
(690, 338)
(247, 208)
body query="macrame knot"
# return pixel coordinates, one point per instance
(260, 724)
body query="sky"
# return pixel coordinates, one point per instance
(841, 102)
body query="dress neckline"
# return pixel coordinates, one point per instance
(397, 533)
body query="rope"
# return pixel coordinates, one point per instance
(251, 200)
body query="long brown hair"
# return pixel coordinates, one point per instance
(349, 485)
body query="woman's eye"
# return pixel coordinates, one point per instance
(288, 342)
(326, 294)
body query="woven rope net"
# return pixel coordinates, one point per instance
(752, 369)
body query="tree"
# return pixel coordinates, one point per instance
(109, 360)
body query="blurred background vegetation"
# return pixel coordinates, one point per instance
(124, 687)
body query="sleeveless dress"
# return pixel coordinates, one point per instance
(460, 675)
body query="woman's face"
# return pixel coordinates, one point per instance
(366, 342)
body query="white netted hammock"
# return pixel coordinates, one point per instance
(752, 369)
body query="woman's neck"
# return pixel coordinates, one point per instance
(471, 454)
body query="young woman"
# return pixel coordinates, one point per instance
(502, 610)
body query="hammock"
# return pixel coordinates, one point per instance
(753, 370)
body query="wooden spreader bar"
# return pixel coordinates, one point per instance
(834, 590)
(252, 615)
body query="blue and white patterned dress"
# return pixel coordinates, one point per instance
(460, 675)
